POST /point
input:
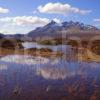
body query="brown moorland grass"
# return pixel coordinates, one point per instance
(32, 52)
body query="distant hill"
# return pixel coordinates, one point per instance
(2, 35)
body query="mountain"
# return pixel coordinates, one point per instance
(55, 29)
(78, 25)
(2, 35)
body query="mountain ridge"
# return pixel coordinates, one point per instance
(53, 28)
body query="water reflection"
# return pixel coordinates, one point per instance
(3, 67)
(25, 77)
(64, 70)
(24, 59)
(64, 48)
(52, 72)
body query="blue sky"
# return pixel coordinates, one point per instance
(22, 16)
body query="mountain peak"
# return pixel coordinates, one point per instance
(52, 22)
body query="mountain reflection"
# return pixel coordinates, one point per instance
(52, 72)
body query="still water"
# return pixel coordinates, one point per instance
(63, 48)
(25, 77)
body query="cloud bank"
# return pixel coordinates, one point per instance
(3, 10)
(97, 20)
(60, 8)
(25, 20)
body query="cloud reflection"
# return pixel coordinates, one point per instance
(55, 73)
(3, 67)
(24, 59)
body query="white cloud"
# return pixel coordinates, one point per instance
(97, 20)
(4, 10)
(25, 20)
(59, 8)
(57, 20)
(22, 24)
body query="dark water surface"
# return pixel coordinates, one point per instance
(37, 78)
